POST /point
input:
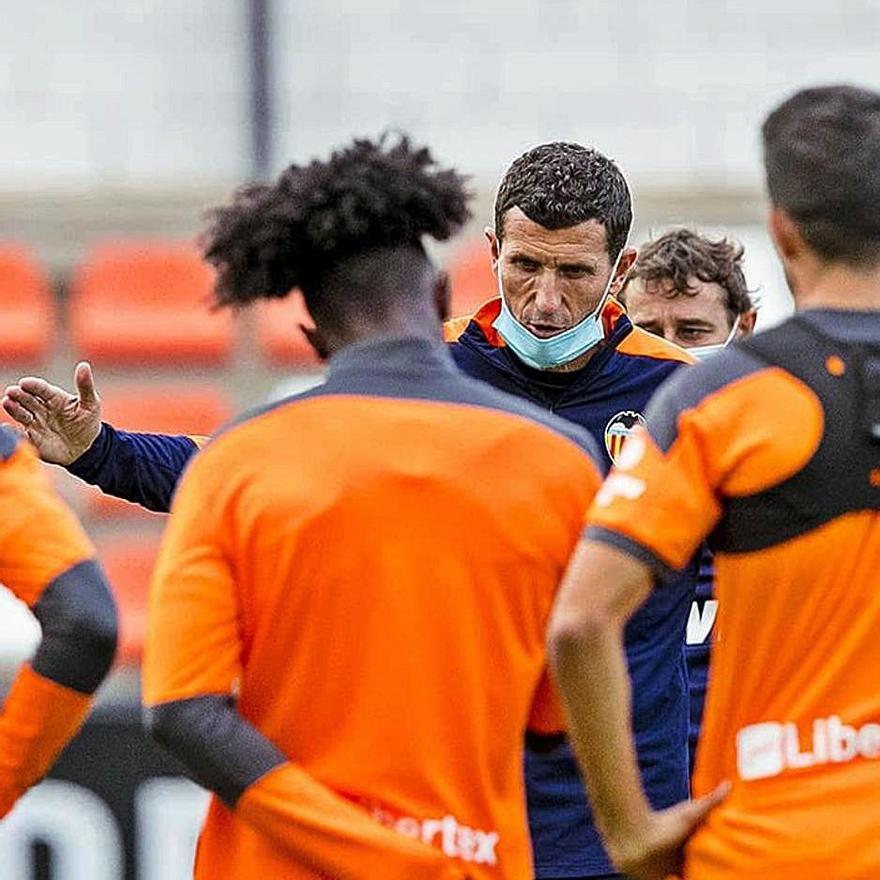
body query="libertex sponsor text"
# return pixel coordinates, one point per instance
(771, 747)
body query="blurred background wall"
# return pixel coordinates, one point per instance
(133, 115)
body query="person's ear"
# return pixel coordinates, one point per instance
(443, 295)
(310, 330)
(627, 258)
(494, 247)
(747, 323)
(317, 341)
(788, 241)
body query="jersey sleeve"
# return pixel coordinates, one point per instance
(193, 639)
(138, 467)
(716, 431)
(40, 538)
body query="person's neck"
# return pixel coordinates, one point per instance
(428, 331)
(841, 287)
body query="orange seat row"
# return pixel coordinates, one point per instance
(147, 302)
(128, 561)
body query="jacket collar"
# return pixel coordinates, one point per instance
(479, 334)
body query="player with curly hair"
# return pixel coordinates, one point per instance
(346, 634)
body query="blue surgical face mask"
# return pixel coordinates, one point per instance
(701, 352)
(543, 354)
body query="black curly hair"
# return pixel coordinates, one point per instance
(371, 200)
(559, 184)
(681, 254)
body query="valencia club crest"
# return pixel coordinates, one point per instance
(619, 429)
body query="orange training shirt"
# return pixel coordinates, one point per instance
(766, 449)
(369, 569)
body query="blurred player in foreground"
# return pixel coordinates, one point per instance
(347, 616)
(553, 335)
(692, 291)
(49, 564)
(773, 446)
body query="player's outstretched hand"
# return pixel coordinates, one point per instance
(656, 854)
(62, 426)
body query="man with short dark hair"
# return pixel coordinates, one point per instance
(691, 290)
(554, 336)
(773, 447)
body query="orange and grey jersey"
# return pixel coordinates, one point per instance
(367, 570)
(48, 562)
(773, 450)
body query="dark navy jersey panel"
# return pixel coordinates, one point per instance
(840, 476)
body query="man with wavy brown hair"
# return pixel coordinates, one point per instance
(691, 290)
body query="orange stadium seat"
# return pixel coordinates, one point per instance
(27, 308)
(281, 340)
(141, 302)
(470, 273)
(128, 561)
(196, 409)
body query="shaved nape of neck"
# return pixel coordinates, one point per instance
(380, 292)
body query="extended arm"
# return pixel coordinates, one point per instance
(138, 467)
(66, 429)
(603, 588)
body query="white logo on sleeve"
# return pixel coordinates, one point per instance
(767, 749)
(620, 485)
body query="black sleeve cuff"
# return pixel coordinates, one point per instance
(663, 573)
(223, 752)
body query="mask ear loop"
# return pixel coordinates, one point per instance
(732, 334)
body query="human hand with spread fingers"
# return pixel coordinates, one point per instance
(61, 425)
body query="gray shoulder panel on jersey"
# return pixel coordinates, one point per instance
(430, 380)
(9, 441)
(687, 388)
(79, 621)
